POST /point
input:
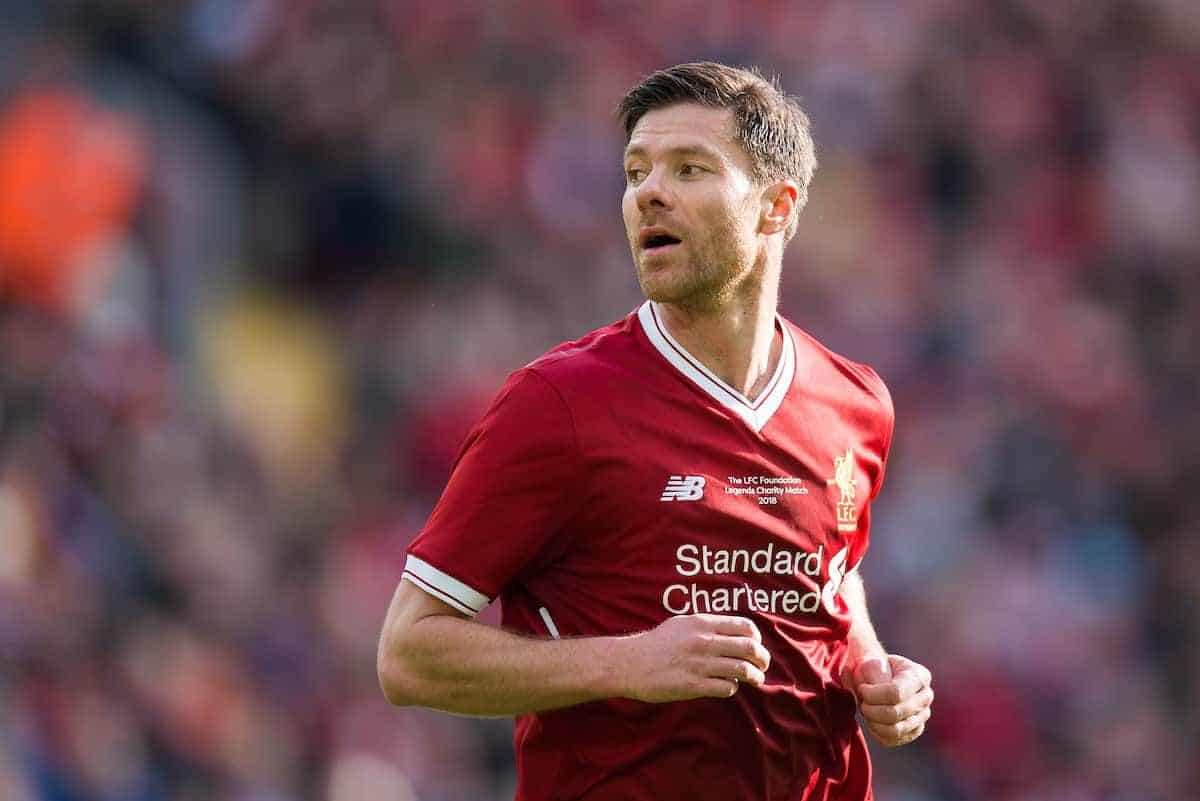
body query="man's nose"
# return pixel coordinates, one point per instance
(652, 193)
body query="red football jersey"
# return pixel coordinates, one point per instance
(616, 481)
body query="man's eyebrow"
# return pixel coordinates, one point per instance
(678, 150)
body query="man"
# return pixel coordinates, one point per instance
(673, 507)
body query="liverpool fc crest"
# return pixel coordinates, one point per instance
(843, 477)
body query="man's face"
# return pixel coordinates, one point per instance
(691, 205)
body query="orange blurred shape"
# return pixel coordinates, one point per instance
(71, 173)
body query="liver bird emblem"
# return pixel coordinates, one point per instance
(843, 476)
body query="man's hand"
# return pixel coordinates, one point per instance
(693, 656)
(894, 696)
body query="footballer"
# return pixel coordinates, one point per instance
(672, 509)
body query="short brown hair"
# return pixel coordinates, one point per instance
(768, 124)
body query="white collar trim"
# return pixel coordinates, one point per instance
(754, 413)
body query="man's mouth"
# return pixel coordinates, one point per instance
(657, 241)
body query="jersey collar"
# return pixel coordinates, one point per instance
(755, 413)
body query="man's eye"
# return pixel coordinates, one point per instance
(690, 169)
(634, 175)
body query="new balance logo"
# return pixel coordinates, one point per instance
(683, 488)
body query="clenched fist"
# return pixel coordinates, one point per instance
(894, 696)
(694, 656)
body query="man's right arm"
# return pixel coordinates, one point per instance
(432, 655)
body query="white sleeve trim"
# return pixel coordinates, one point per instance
(444, 587)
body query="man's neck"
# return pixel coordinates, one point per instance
(735, 340)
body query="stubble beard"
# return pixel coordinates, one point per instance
(714, 269)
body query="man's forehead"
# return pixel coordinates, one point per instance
(684, 126)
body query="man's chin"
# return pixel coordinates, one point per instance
(666, 286)
(662, 288)
(668, 281)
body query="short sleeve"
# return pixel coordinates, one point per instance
(886, 428)
(881, 440)
(508, 498)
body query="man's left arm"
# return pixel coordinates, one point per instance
(894, 693)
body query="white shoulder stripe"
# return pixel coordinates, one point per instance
(445, 587)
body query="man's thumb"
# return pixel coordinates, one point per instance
(873, 671)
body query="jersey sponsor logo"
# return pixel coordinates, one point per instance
(747, 592)
(837, 573)
(683, 488)
(843, 477)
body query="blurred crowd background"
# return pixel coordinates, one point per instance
(262, 263)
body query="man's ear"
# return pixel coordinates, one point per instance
(779, 206)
